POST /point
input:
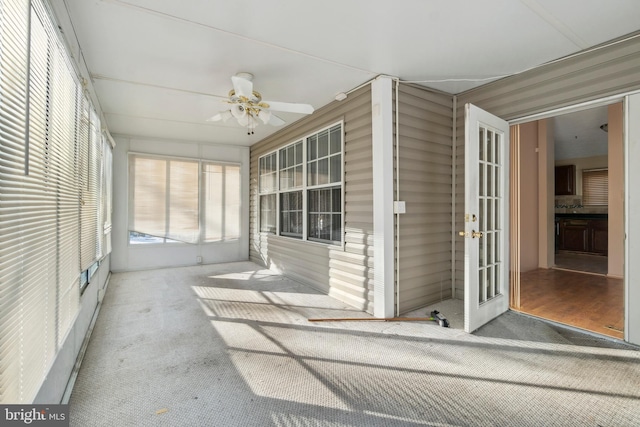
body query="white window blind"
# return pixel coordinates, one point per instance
(41, 133)
(164, 198)
(595, 187)
(14, 39)
(90, 159)
(221, 201)
(169, 202)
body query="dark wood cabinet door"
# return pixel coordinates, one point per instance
(574, 235)
(598, 237)
(565, 180)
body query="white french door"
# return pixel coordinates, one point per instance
(486, 233)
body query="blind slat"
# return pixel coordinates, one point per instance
(595, 187)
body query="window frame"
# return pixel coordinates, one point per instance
(166, 241)
(305, 188)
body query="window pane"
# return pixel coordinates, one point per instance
(285, 180)
(297, 181)
(291, 214)
(213, 201)
(312, 147)
(336, 227)
(336, 168)
(299, 153)
(183, 201)
(312, 173)
(149, 197)
(336, 140)
(323, 171)
(291, 156)
(323, 144)
(313, 225)
(267, 173)
(336, 204)
(325, 214)
(232, 203)
(268, 213)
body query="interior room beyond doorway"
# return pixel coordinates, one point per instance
(567, 221)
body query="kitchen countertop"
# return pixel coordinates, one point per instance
(582, 215)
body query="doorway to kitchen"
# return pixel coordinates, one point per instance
(567, 188)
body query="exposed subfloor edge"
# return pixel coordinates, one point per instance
(574, 328)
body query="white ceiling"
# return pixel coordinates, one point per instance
(160, 68)
(578, 135)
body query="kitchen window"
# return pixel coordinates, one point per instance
(595, 187)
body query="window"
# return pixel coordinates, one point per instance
(268, 213)
(595, 187)
(291, 214)
(325, 217)
(290, 173)
(166, 203)
(308, 194)
(221, 200)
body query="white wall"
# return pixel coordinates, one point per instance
(127, 257)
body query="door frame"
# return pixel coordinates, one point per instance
(630, 325)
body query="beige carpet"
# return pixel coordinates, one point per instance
(230, 345)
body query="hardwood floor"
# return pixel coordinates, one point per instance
(587, 301)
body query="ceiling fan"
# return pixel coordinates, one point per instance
(247, 106)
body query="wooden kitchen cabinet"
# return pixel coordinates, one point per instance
(599, 236)
(574, 235)
(583, 235)
(565, 180)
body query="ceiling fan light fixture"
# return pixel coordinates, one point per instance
(248, 108)
(244, 120)
(265, 116)
(226, 115)
(238, 111)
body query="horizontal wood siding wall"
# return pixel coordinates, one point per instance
(425, 163)
(346, 274)
(604, 72)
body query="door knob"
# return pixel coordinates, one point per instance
(462, 233)
(476, 234)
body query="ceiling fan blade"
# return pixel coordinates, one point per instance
(288, 107)
(275, 120)
(223, 115)
(242, 87)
